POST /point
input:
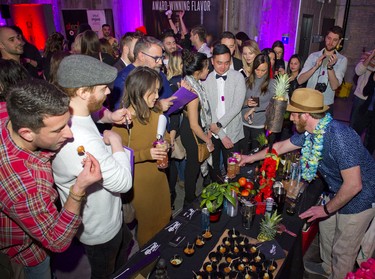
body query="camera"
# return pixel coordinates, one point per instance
(321, 87)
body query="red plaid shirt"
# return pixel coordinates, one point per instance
(3, 111)
(29, 220)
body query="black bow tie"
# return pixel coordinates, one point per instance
(219, 76)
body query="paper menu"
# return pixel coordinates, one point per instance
(184, 97)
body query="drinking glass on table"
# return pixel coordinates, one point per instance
(248, 214)
(279, 194)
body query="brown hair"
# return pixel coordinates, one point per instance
(258, 60)
(90, 44)
(253, 46)
(56, 58)
(140, 81)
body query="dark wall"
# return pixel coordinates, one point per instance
(156, 21)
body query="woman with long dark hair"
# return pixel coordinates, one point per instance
(11, 72)
(55, 42)
(90, 45)
(196, 119)
(259, 85)
(293, 70)
(272, 57)
(280, 64)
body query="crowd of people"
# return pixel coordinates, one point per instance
(67, 114)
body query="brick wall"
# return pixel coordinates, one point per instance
(360, 33)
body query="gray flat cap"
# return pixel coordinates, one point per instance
(78, 70)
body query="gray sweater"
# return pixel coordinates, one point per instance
(264, 99)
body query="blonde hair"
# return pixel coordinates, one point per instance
(76, 46)
(253, 47)
(174, 66)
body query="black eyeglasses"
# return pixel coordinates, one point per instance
(156, 58)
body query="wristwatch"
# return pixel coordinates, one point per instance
(218, 124)
(330, 68)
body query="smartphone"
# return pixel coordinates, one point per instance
(326, 59)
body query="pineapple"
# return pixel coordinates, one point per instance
(268, 227)
(281, 87)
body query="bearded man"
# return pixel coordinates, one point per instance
(104, 235)
(11, 44)
(324, 70)
(337, 153)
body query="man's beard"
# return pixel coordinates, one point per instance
(94, 104)
(301, 125)
(172, 50)
(330, 49)
(17, 50)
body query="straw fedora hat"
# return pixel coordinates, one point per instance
(307, 100)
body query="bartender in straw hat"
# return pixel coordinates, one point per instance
(337, 153)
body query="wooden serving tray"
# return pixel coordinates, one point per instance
(251, 241)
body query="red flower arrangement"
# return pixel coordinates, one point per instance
(366, 271)
(266, 179)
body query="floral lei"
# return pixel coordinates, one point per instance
(312, 149)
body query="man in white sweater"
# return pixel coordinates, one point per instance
(103, 234)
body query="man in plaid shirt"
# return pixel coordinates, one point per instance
(29, 221)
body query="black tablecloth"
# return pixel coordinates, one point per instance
(191, 227)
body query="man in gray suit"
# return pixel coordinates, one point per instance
(226, 91)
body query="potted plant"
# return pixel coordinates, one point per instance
(213, 196)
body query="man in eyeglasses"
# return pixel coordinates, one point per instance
(148, 52)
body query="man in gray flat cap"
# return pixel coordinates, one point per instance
(104, 236)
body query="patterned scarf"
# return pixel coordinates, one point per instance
(205, 113)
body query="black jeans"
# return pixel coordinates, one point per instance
(363, 120)
(172, 178)
(357, 116)
(249, 142)
(107, 258)
(192, 168)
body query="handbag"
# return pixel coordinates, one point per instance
(179, 151)
(203, 152)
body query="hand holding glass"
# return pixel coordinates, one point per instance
(253, 101)
(162, 164)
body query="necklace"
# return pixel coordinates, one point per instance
(312, 149)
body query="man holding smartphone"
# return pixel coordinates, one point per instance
(324, 70)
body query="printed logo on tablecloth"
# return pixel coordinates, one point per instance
(151, 248)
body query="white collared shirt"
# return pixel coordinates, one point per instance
(126, 64)
(220, 109)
